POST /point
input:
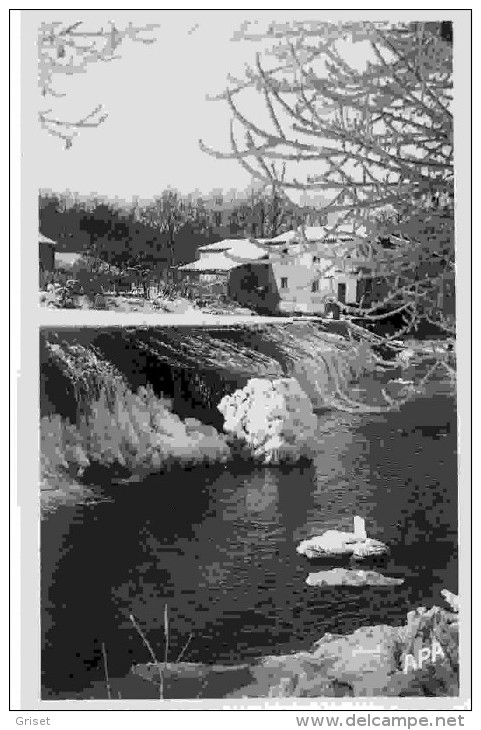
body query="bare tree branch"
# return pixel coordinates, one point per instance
(376, 138)
(70, 50)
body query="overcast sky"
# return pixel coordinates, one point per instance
(155, 96)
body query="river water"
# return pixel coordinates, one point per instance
(217, 546)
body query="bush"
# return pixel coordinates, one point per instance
(133, 430)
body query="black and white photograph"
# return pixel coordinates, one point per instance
(248, 315)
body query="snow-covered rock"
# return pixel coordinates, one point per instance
(274, 418)
(370, 662)
(335, 543)
(331, 543)
(451, 598)
(345, 577)
(368, 548)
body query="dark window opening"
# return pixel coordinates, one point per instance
(284, 282)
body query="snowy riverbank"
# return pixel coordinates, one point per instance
(417, 659)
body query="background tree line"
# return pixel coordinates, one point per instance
(165, 231)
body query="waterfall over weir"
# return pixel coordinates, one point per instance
(194, 367)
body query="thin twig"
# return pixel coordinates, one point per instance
(185, 648)
(166, 635)
(152, 654)
(166, 632)
(106, 671)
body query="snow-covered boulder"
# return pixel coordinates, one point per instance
(273, 418)
(332, 543)
(369, 548)
(335, 543)
(452, 599)
(345, 577)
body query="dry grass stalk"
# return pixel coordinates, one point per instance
(106, 672)
(152, 654)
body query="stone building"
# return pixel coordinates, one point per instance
(46, 258)
(301, 271)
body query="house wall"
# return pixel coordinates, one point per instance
(253, 285)
(295, 280)
(261, 285)
(46, 261)
(46, 254)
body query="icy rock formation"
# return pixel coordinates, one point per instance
(273, 418)
(334, 543)
(451, 598)
(345, 577)
(368, 548)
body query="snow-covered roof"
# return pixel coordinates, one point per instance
(44, 239)
(286, 237)
(213, 262)
(223, 245)
(320, 233)
(241, 248)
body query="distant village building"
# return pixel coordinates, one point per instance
(218, 271)
(300, 271)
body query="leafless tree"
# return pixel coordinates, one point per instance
(169, 213)
(271, 208)
(373, 135)
(67, 49)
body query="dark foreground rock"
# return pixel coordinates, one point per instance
(417, 659)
